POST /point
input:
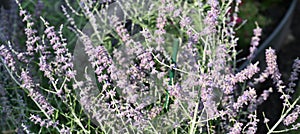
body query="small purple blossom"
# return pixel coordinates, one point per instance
(264, 96)
(99, 58)
(245, 98)
(291, 118)
(272, 67)
(185, 21)
(160, 40)
(236, 129)
(294, 76)
(177, 12)
(255, 41)
(169, 7)
(42, 122)
(154, 112)
(252, 125)
(7, 57)
(213, 3)
(27, 83)
(65, 130)
(145, 58)
(211, 18)
(45, 67)
(175, 90)
(63, 63)
(120, 29)
(146, 33)
(246, 73)
(160, 32)
(160, 22)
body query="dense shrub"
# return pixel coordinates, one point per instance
(138, 66)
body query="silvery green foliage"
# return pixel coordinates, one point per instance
(204, 83)
(142, 66)
(127, 78)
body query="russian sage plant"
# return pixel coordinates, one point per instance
(139, 66)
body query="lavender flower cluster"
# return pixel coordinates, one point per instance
(177, 74)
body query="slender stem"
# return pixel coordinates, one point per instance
(283, 116)
(72, 111)
(153, 127)
(193, 124)
(266, 123)
(18, 83)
